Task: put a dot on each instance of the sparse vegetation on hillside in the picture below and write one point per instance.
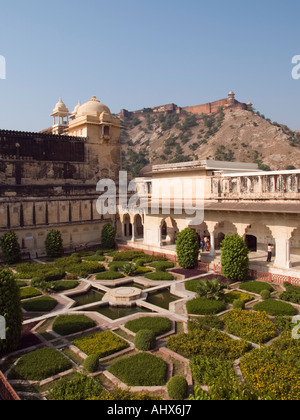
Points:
(239, 135)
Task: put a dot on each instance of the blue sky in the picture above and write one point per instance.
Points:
(133, 54)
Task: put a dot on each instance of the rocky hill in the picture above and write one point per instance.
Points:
(152, 137)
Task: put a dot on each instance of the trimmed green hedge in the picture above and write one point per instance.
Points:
(201, 306)
(29, 292)
(275, 308)
(110, 275)
(102, 344)
(145, 340)
(77, 387)
(162, 265)
(292, 294)
(157, 325)
(160, 276)
(178, 388)
(42, 304)
(40, 364)
(256, 287)
(127, 255)
(143, 369)
(71, 324)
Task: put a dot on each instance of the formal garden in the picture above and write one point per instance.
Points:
(186, 334)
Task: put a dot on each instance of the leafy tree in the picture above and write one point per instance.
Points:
(10, 309)
(235, 258)
(108, 236)
(11, 250)
(54, 244)
(187, 248)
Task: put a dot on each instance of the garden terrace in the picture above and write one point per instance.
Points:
(207, 341)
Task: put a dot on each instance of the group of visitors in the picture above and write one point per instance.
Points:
(204, 244)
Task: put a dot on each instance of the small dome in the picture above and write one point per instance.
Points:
(93, 107)
(231, 93)
(75, 110)
(60, 107)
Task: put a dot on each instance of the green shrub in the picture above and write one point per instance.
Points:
(42, 304)
(178, 388)
(187, 248)
(252, 326)
(29, 292)
(145, 340)
(238, 304)
(91, 363)
(71, 324)
(210, 343)
(256, 287)
(265, 294)
(98, 258)
(127, 255)
(141, 271)
(235, 258)
(40, 364)
(10, 308)
(206, 323)
(84, 269)
(203, 306)
(11, 250)
(157, 325)
(234, 295)
(292, 294)
(162, 265)
(109, 275)
(117, 265)
(160, 276)
(275, 308)
(102, 344)
(210, 289)
(129, 269)
(60, 286)
(143, 369)
(108, 236)
(54, 244)
(78, 387)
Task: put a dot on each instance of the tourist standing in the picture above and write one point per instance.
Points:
(270, 252)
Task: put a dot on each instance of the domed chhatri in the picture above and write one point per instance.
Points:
(60, 107)
(92, 108)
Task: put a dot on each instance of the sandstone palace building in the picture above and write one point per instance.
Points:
(48, 180)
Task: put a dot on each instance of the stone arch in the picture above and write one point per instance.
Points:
(295, 242)
(223, 229)
(139, 226)
(258, 236)
(169, 230)
(127, 223)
